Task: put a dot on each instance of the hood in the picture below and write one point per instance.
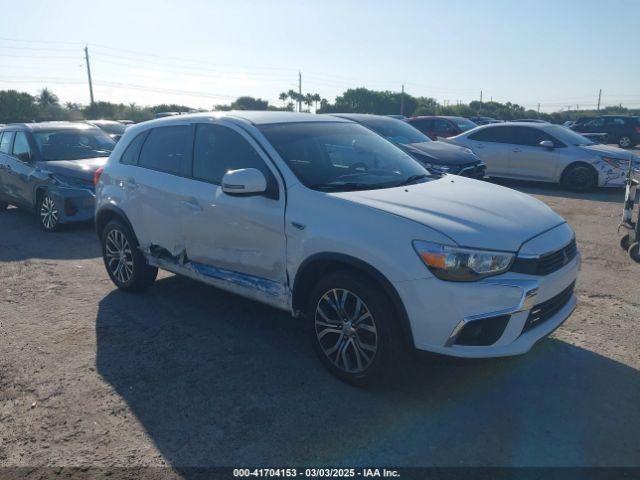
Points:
(83, 169)
(609, 151)
(441, 152)
(470, 212)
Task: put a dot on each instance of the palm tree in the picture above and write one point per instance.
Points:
(308, 101)
(293, 95)
(283, 96)
(316, 99)
(47, 98)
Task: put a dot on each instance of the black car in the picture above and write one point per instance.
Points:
(620, 129)
(438, 156)
(111, 127)
(49, 168)
(484, 120)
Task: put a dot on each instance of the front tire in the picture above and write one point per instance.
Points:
(625, 141)
(352, 326)
(48, 213)
(634, 252)
(579, 178)
(125, 264)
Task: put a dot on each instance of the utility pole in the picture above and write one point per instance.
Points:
(402, 101)
(299, 91)
(538, 108)
(86, 56)
(599, 98)
(480, 102)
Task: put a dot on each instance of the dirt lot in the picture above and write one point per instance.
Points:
(186, 375)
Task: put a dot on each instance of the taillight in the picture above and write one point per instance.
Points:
(96, 176)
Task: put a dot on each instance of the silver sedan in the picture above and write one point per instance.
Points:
(547, 153)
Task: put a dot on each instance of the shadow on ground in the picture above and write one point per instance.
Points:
(22, 238)
(217, 380)
(615, 195)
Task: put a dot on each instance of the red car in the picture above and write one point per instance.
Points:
(444, 127)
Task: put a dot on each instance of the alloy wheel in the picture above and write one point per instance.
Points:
(624, 142)
(48, 213)
(119, 256)
(346, 330)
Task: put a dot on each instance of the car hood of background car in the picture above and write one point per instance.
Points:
(83, 169)
(609, 151)
(442, 152)
(471, 212)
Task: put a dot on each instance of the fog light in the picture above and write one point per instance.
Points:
(483, 332)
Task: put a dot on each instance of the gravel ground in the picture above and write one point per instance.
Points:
(186, 375)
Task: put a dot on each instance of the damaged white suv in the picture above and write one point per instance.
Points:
(323, 218)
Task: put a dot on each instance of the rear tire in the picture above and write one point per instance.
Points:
(579, 178)
(625, 141)
(634, 252)
(353, 328)
(624, 243)
(125, 264)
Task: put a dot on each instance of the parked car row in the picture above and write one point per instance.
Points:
(623, 130)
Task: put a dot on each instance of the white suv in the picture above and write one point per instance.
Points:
(323, 218)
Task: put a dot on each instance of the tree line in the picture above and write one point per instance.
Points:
(22, 107)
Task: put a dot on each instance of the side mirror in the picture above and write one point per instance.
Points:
(245, 181)
(24, 157)
(547, 144)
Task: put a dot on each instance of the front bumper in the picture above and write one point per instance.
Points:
(74, 204)
(438, 311)
(477, 171)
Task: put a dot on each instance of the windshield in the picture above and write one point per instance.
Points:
(569, 136)
(396, 131)
(73, 144)
(342, 156)
(463, 124)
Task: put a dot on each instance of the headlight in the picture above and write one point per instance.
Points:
(462, 264)
(616, 162)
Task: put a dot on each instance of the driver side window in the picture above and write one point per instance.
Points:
(21, 148)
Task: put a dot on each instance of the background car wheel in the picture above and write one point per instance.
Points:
(48, 213)
(624, 243)
(351, 323)
(123, 260)
(625, 142)
(634, 252)
(579, 178)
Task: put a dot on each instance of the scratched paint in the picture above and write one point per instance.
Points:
(263, 285)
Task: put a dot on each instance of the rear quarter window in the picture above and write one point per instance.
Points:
(5, 142)
(132, 152)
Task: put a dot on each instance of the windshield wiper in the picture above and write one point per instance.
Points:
(344, 186)
(412, 179)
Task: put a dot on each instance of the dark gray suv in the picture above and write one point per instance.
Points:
(48, 168)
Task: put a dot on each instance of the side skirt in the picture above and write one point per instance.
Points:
(255, 288)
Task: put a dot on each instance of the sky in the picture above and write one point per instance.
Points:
(206, 52)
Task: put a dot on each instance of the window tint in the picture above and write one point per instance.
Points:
(21, 145)
(598, 122)
(441, 125)
(532, 137)
(5, 143)
(617, 121)
(132, 153)
(424, 125)
(165, 149)
(219, 149)
(495, 134)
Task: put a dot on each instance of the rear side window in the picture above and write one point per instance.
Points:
(132, 153)
(424, 125)
(218, 149)
(440, 125)
(495, 134)
(5, 142)
(165, 149)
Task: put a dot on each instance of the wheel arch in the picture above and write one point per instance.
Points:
(581, 163)
(323, 263)
(111, 212)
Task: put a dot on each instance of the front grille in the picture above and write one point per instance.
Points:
(548, 263)
(545, 310)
